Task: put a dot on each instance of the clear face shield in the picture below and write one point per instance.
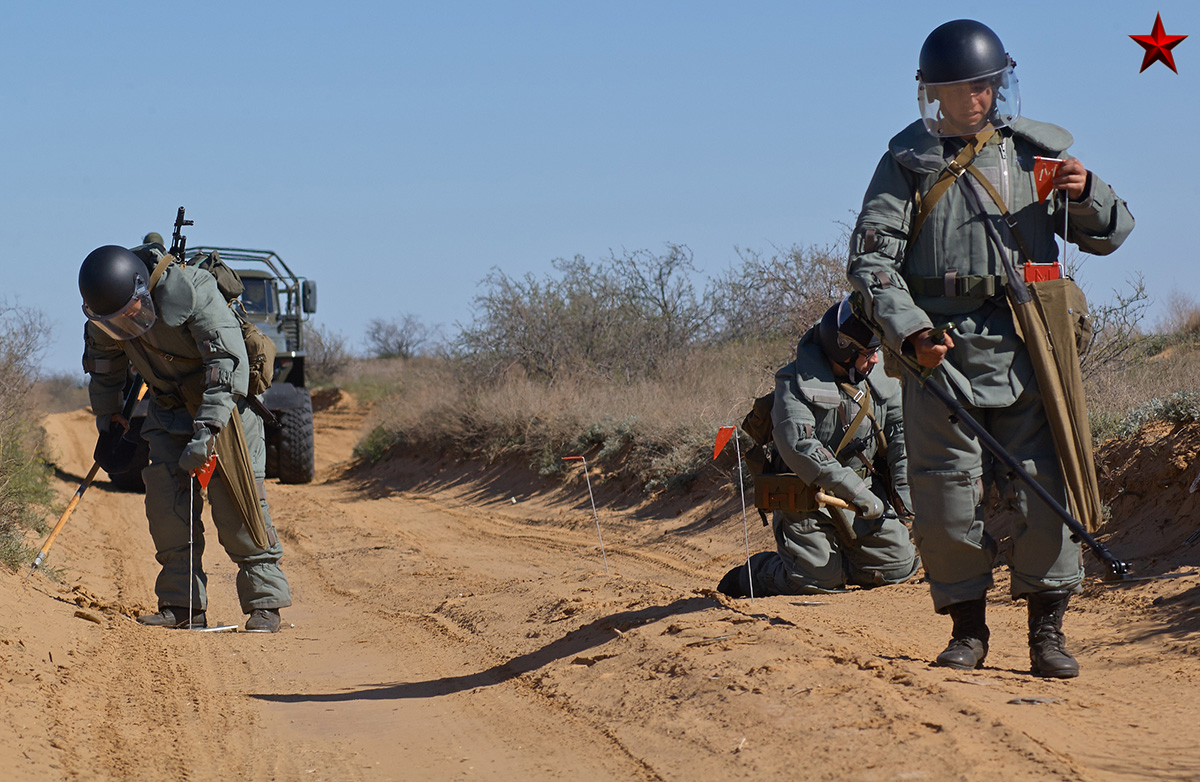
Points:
(131, 321)
(962, 108)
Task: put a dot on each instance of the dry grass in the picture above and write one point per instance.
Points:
(657, 433)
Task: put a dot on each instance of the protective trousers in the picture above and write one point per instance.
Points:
(948, 470)
(813, 556)
(260, 581)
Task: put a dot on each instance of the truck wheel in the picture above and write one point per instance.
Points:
(295, 450)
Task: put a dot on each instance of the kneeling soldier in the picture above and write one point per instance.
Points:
(172, 323)
(840, 434)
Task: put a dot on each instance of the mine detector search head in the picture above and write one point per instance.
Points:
(1115, 569)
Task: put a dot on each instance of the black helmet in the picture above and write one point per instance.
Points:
(962, 50)
(965, 52)
(116, 294)
(843, 337)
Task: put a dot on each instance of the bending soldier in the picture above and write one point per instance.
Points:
(171, 322)
(838, 431)
(951, 201)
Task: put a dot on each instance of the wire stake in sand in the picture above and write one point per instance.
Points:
(723, 435)
(202, 475)
(593, 501)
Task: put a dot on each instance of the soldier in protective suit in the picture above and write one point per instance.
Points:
(953, 198)
(833, 420)
(173, 325)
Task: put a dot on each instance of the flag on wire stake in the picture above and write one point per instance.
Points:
(723, 435)
(593, 501)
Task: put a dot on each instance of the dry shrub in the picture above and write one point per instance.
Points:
(327, 353)
(60, 393)
(1182, 317)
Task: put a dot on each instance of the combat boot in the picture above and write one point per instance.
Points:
(969, 637)
(263, 620)
(172, 616)
(1048, 655)
(735, 583)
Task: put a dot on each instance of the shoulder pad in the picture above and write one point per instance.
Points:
(882, 385)
(917, 149)
(1049, 137)
(175, 294)
(814, 376)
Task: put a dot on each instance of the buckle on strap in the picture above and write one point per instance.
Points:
(950, 282)
(956, 168)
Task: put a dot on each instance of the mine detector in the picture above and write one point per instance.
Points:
(279, 302)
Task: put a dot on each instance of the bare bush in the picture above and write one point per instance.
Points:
(622, 316)
(780, 295)
(1118, 340)
(401, 337)
(1181, 318)
(327, 353)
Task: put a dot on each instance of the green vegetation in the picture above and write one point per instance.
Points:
(24, 474)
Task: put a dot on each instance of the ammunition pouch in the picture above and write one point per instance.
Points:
(167, 401)
(784, 491)
(260, 350)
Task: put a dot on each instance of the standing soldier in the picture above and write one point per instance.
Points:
(952, 200)
(172, 323)
(839, 432)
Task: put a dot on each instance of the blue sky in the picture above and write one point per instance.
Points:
(396, 152)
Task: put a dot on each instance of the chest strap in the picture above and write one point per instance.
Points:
(949, 176)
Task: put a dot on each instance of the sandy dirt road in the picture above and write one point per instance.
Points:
(456, 622)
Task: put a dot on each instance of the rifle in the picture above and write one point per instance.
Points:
(178, 240)
(1117, 570)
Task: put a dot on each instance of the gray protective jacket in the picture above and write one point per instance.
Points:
(811, 412)
(193, 356)
(906, 288)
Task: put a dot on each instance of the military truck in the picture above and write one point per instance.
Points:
(279, 302)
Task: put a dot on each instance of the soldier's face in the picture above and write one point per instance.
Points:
(966, 105)
(866, 359)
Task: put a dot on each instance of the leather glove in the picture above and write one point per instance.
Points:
(869, 506)
(199, 449)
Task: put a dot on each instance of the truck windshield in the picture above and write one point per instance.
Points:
(258, 297)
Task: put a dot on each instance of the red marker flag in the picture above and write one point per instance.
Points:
(723, 435)
(1044, 171)
(204, 474)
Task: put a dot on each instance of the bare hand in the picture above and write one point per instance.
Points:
(1072, 177)
(929, 353)
(117, 418)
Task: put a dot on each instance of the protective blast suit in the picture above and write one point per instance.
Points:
(193, 355)
(821, 548)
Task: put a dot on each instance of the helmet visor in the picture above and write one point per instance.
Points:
(962, 108)
(131, 321)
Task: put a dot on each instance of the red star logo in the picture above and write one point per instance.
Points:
(1158, 45)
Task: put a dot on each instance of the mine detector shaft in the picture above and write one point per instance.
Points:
(1115, 569)
(135, 395)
